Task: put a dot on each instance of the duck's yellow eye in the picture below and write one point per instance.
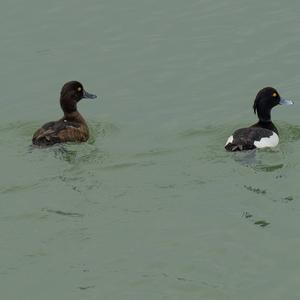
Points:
(79, 89)
(274, 95)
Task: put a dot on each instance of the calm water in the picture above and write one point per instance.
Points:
(152, 207)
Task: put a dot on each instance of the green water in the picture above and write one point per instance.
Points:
(152, 207)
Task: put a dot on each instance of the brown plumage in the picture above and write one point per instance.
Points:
(72, 126)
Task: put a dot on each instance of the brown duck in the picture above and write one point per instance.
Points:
(72, 126)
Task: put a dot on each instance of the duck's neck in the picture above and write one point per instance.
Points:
(74, 116)
(266, 124)
(264, 114)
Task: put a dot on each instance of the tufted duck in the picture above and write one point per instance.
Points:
(72, 126)
(263, 133)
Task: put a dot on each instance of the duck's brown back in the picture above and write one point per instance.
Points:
(71, 128)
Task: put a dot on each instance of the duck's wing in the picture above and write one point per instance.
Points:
(60, 132)
(43, 134)
(251, 138)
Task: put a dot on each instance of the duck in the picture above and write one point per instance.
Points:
(264, 133)
(72, 127)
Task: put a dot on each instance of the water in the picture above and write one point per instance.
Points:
(152, 207)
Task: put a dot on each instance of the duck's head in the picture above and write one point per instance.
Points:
(71, 93)
(265, 100)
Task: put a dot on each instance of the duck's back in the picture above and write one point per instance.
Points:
(251, 138)
(64, 130)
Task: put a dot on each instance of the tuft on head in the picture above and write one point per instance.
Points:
(267, 93)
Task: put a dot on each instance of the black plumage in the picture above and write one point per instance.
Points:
(249, 138)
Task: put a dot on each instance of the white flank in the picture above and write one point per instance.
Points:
(230, 140)
(271, 141)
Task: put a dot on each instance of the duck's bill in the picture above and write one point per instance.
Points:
(88, 95)
(285, 102)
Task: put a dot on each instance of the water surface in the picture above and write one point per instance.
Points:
(152, 207)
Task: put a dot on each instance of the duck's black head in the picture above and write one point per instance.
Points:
(71, 93)
(265, 100)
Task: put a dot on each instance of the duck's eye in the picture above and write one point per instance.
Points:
(274, 95)
(79, 89)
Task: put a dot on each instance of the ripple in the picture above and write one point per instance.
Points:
(81, 153)
(18, 188)
(24, 128)
(62, 213)
(101, 129)
(72, 153)
(269, 168)
(30, 186)
(255, 190)
(261, 223)
(196, 132)
(120, 166)
(288, 132)
(247, 158)
(154, 152)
